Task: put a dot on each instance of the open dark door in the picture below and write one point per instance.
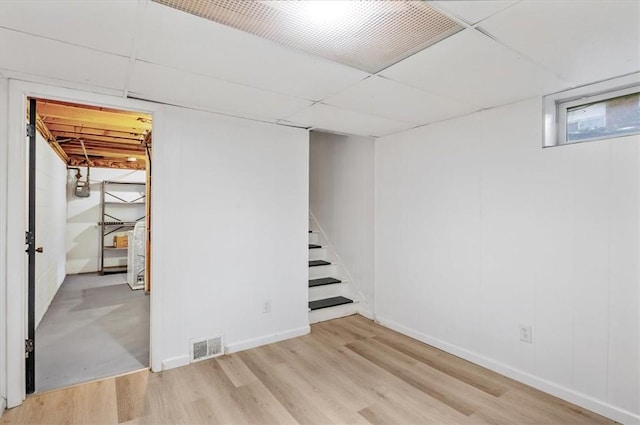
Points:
(31, 252)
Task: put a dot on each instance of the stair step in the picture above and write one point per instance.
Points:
(323, 281)
(314, 246)
(328, 302)
(314, 263)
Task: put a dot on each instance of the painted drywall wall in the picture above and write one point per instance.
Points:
(4, 100)
(230, 218)
(83, 214)
(480, 230)
(341, 189)
(51, 218)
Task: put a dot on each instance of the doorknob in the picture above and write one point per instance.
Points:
(39, 249)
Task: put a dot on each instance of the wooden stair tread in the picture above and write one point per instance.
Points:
(328, 302)
(314, 246)
(314, 263)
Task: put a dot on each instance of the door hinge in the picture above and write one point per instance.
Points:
(28, 346)
(31, 130)
(28, 238)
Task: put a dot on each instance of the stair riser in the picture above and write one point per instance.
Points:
(318, 254)
(332, 313)
(323, 271)
(313, 238)
(327, 291)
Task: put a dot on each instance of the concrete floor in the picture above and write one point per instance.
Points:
(95, 327)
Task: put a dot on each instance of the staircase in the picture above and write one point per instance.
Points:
(330, 293)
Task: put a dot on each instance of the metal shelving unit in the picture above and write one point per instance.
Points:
(116, 213)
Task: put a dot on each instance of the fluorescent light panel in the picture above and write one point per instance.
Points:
(368, 34)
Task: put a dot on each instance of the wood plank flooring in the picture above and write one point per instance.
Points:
(347, 371)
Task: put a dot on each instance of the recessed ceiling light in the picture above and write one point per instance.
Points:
(365, 34)
(325, 12)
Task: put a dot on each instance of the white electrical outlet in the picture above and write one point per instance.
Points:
(266, 306)
(526, 334)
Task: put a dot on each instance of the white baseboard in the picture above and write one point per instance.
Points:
(268, 339)
(583, 400)
(366, 313)
(240, 346)
(176, 362)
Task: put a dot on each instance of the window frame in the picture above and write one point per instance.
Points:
(555, 107)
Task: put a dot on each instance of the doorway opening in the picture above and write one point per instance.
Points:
(88, 309)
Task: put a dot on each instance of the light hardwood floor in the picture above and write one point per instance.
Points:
(347, 371)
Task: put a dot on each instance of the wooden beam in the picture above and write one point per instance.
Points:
(106, 154)
(70, 128)
(107, 163)
(95, 125)
(61, 135)
(51, 139)
(104, 151)
(103, 145)
(91, 116)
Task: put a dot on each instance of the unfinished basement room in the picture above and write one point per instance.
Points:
(320, 212)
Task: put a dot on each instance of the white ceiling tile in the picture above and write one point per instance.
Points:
(472, 68)
(582, 41)
(99, 24)
(40, 56)
(396, 101)
(184, 41)
(330, 118)
(155, 82)
(473, 11)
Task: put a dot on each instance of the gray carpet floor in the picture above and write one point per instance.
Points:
(95, 327)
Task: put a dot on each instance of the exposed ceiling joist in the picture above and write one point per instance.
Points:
(108, 126)
(62, 127)
(62, 136)
(79, 161)
(107, 137)
(104, 152)
(51, 139)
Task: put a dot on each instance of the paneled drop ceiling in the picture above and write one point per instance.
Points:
(506, 51)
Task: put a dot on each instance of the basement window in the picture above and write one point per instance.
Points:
(595, 112)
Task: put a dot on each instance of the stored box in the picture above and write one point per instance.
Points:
(120, 241)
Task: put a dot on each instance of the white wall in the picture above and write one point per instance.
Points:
(4, 100)
(230, 218)
(341, 189)
(51, 218)
(83, 214)
(479, 229)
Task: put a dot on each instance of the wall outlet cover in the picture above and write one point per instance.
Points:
(266, 306)
(526, 334)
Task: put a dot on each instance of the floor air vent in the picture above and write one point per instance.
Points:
(206, 348)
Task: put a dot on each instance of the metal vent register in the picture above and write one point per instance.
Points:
(206, 348)
(366, 34)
